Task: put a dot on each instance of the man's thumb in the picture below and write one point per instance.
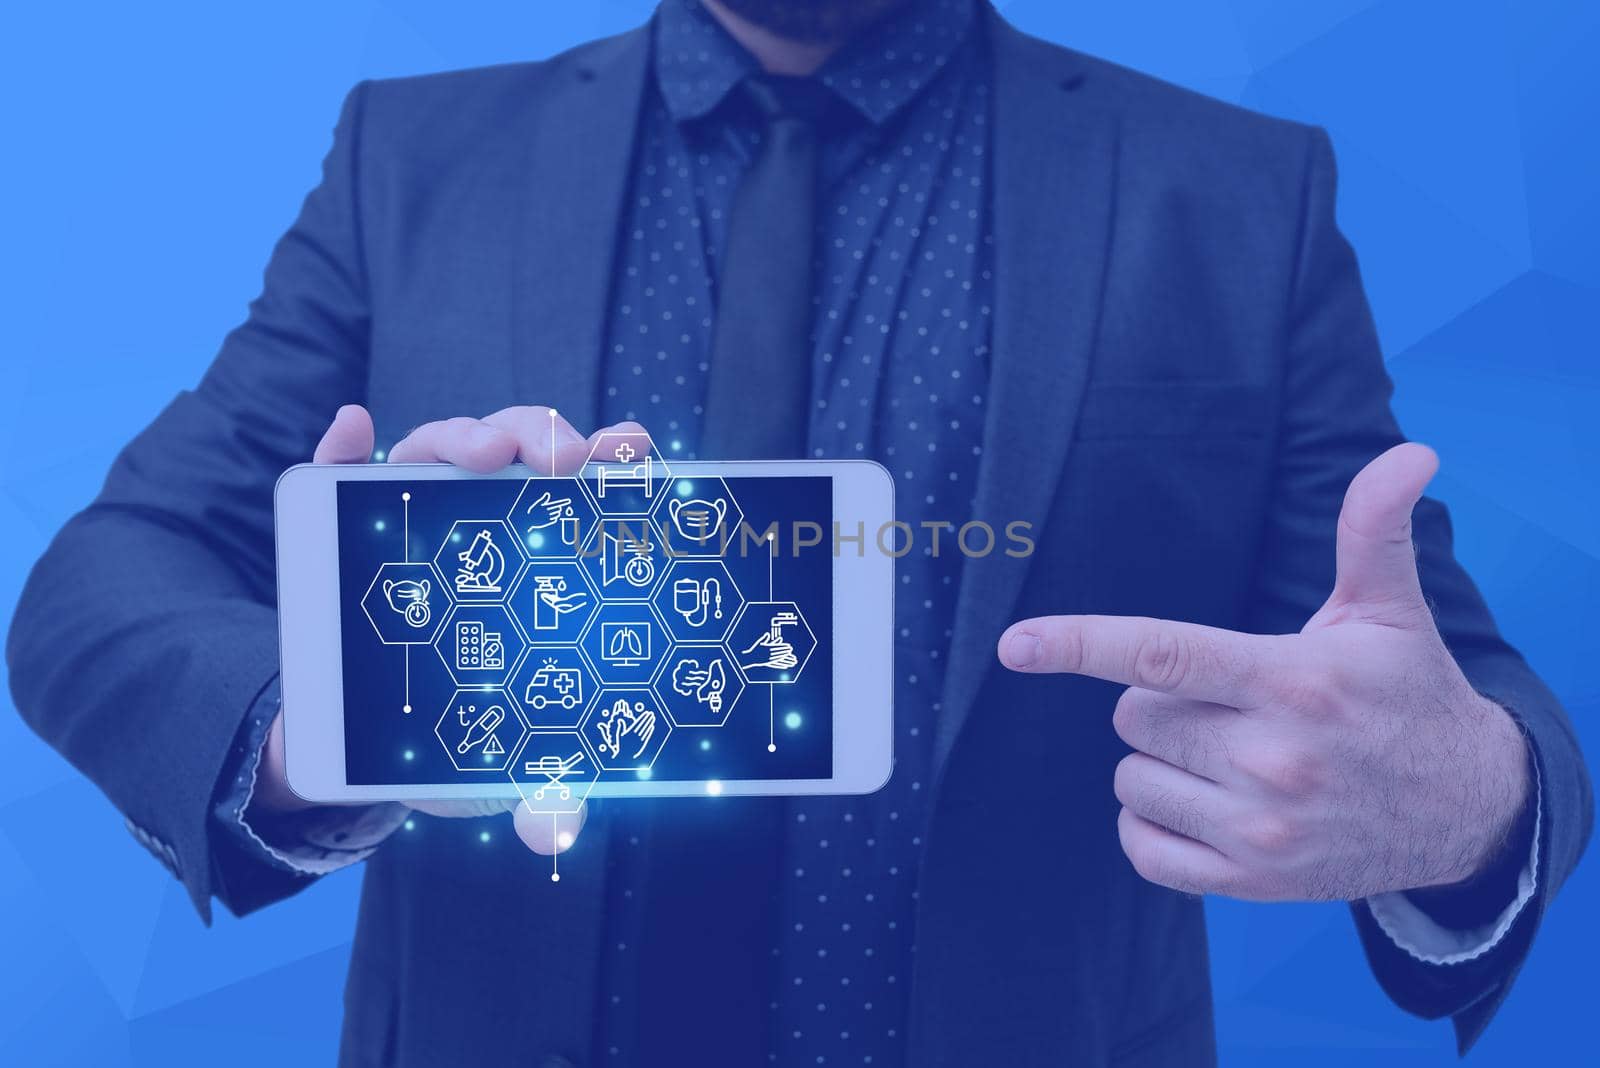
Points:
(1377, 564)
(348, 439)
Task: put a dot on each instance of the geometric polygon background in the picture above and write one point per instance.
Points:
(155, 152)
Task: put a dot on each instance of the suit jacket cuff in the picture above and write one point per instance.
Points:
(264, 847)
(1405, 917)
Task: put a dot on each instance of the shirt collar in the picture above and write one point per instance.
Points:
(697, 64)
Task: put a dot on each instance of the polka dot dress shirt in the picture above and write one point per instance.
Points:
(903, 282)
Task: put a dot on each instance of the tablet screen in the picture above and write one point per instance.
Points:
(562, 631)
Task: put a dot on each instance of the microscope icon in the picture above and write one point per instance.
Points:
(483, 565)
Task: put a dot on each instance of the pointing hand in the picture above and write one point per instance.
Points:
(1346, 760)
(547, 512)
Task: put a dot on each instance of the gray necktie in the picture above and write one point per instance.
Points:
(758, 399)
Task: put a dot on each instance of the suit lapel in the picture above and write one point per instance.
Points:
(1053, 181)
(579, 157)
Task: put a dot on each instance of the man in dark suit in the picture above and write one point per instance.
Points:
(1039, 288)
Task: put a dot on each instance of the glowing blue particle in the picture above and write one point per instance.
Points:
(411, 825)
(705, 744)
(411, 754)
(684, 487)
(380, 455)
(379, 525)
(677, 446)
(643, 773)
(535, 539)
(483, 836)
(792, 720)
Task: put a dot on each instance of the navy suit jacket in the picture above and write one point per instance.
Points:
(1185, 378)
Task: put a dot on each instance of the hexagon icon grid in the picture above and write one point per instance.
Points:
(698, 600)
(554, 771)
(480, 645)
(771, 642)
(699, 517)
(698, 685)
(625, 474)
(480, 559)
(625, 557)
(552, 517)
(406, 603)
(625, 643)
(626, 728)
(553, 686)
(553, 600)
(480, 729)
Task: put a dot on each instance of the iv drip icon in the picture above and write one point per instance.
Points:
(693, 599)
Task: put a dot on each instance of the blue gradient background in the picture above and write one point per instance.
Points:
(155, 151)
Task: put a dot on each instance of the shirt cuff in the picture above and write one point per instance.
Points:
(316, 841)
(1429, 941)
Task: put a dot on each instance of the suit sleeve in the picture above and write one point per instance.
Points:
(1336, 418)
(147, 632)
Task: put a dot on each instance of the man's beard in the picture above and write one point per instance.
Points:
(816, 21)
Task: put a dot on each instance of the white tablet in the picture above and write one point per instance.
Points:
(639, 630)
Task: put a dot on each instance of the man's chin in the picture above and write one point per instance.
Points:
(814, 21)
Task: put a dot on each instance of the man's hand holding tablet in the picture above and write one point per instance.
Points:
(557, 626)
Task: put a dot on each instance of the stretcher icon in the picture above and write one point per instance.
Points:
(554, 769)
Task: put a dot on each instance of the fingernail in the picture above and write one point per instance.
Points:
(1022, 649)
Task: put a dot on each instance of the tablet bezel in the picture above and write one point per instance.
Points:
(311, 672)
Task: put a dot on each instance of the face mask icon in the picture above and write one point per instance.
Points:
(697, 519)
(409, 597)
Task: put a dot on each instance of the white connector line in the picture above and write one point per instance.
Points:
(772, 700)
(552, 443)
(405, 527)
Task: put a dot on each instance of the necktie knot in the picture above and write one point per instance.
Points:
(776, 97)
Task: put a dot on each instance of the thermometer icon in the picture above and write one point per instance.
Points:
(480, 729)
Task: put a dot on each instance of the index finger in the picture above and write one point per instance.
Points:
(469, 443)
(546, 442)
(1186, 659)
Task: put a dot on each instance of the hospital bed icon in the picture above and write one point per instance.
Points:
(627, 476)
(554, 769)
